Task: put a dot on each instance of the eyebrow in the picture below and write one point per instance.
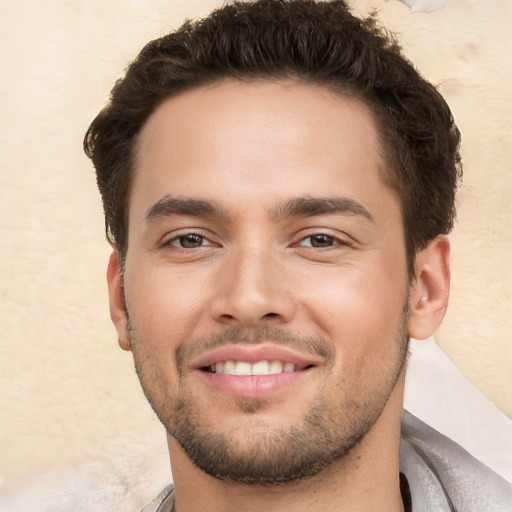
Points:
(296, 207)
(168, 206)
(312, 206)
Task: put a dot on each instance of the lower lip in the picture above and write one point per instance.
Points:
(253, 386)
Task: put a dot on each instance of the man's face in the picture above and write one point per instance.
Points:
(262, 241)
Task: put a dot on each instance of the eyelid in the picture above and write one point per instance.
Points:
(169, 238)
(340, 239)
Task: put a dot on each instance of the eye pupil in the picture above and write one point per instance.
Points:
(322, 240)
(190, 241)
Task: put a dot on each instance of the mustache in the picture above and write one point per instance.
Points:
(237, 336)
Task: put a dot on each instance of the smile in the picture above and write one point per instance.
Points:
(246, 368)
(254, 371)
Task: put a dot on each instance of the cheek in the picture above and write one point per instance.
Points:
(355, 307)
(166, 306)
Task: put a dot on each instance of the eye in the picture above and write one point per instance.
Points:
(318, 241)
(189, 241)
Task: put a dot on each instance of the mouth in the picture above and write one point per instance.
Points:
(263, 367)
(254, 371)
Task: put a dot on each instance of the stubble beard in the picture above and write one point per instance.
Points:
(268, 457)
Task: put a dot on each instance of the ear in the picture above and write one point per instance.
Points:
(430, 289)
(116, 300)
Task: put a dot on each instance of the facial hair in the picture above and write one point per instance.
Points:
(326, 433)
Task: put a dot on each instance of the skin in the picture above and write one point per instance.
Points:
(249, 149)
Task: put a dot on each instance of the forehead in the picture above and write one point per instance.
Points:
(258, 143)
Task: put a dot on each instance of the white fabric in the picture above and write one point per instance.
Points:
(438, 393)
(444, 477)
(163, 502)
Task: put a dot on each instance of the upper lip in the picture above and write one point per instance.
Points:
(253, 354)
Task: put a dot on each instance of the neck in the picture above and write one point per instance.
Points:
(366, 479)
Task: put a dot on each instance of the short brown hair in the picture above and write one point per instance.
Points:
(304, 40)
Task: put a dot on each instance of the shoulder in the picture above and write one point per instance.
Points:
(443, 476)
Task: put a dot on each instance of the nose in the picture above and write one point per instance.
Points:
(253, 291)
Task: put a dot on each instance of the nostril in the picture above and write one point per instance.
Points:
(270, 315)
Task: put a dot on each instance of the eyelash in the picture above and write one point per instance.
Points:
(334, 241)
(181, 236)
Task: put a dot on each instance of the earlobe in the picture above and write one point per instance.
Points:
(116, 300)
(430, 290)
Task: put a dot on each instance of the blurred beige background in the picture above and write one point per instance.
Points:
(68, 395)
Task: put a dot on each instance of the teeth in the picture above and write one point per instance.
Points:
(289, 368)
(275, 367)
(229, 368)
(258, 368)
(242, 368)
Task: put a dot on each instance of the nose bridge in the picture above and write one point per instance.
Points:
(253, 267)
(252, 289)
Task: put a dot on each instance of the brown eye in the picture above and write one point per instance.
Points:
(318, 241)
(190, 241)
